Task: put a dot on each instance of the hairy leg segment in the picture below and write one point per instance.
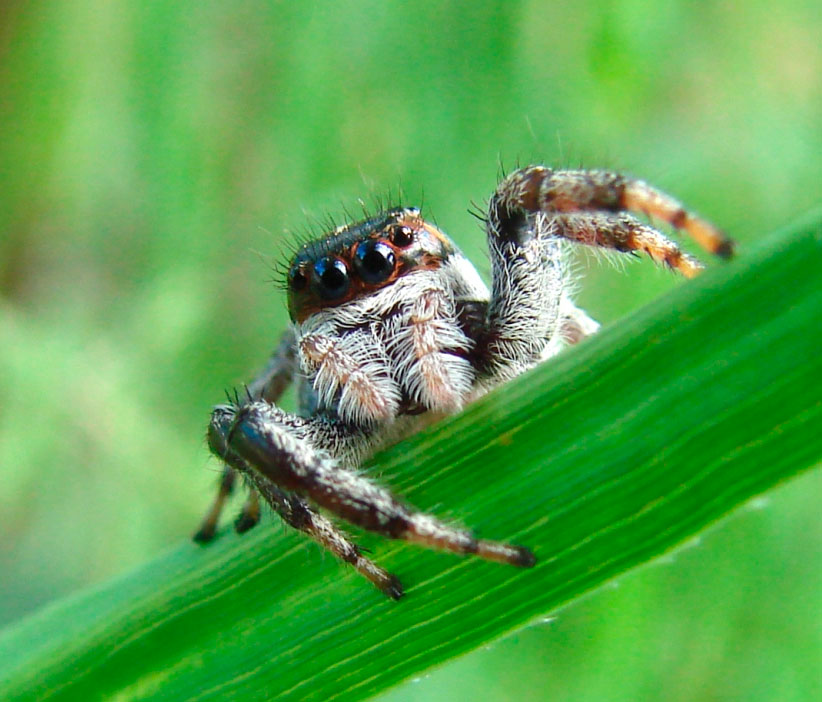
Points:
(263, 443)
(530, 212)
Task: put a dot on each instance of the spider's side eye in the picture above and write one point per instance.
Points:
(374, 261)
(402, 236)
(297, 280)
(331, 278)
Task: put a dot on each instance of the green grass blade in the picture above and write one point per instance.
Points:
(599, 461)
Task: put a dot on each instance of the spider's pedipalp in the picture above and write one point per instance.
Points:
(348, 372)
(425, 346)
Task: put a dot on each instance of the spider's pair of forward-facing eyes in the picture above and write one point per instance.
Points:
(373, 261)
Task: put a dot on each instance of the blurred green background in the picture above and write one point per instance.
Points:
(152, 157)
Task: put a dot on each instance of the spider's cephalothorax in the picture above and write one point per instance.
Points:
(385, 314)
(391, 321)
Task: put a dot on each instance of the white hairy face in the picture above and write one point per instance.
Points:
(376, 319)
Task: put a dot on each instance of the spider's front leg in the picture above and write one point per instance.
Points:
(294, 456)
(529, 215)
(294, 510)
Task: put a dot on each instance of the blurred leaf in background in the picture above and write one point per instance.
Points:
(152, 157)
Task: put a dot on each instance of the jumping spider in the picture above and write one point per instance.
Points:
(391, 322)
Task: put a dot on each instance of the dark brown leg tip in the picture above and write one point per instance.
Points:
(525, 557)
(204, 535)
(393, 588)
(726, 249)
(245, 522)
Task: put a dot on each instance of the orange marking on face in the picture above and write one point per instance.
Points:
(439, 236)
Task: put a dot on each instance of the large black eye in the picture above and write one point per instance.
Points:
(374, 261)
(331, 278)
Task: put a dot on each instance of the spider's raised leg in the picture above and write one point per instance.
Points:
(532, 210)
(638, 196)
(269, 385)
(293, 454)
(538, 189)
(625, 233)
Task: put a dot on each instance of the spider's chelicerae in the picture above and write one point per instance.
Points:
(390, 322)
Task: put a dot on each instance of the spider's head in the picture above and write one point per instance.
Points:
(358, 259)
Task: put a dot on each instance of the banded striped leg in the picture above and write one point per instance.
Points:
(638, 196)
(625, 233)
(537, 189)
(530, 212)
(281, 448)
(270, 385)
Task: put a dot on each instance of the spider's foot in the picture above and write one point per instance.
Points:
(393, 587)
(506, 553)
(386, 582)
(246, 521)
(205, 534)
(525, 558)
